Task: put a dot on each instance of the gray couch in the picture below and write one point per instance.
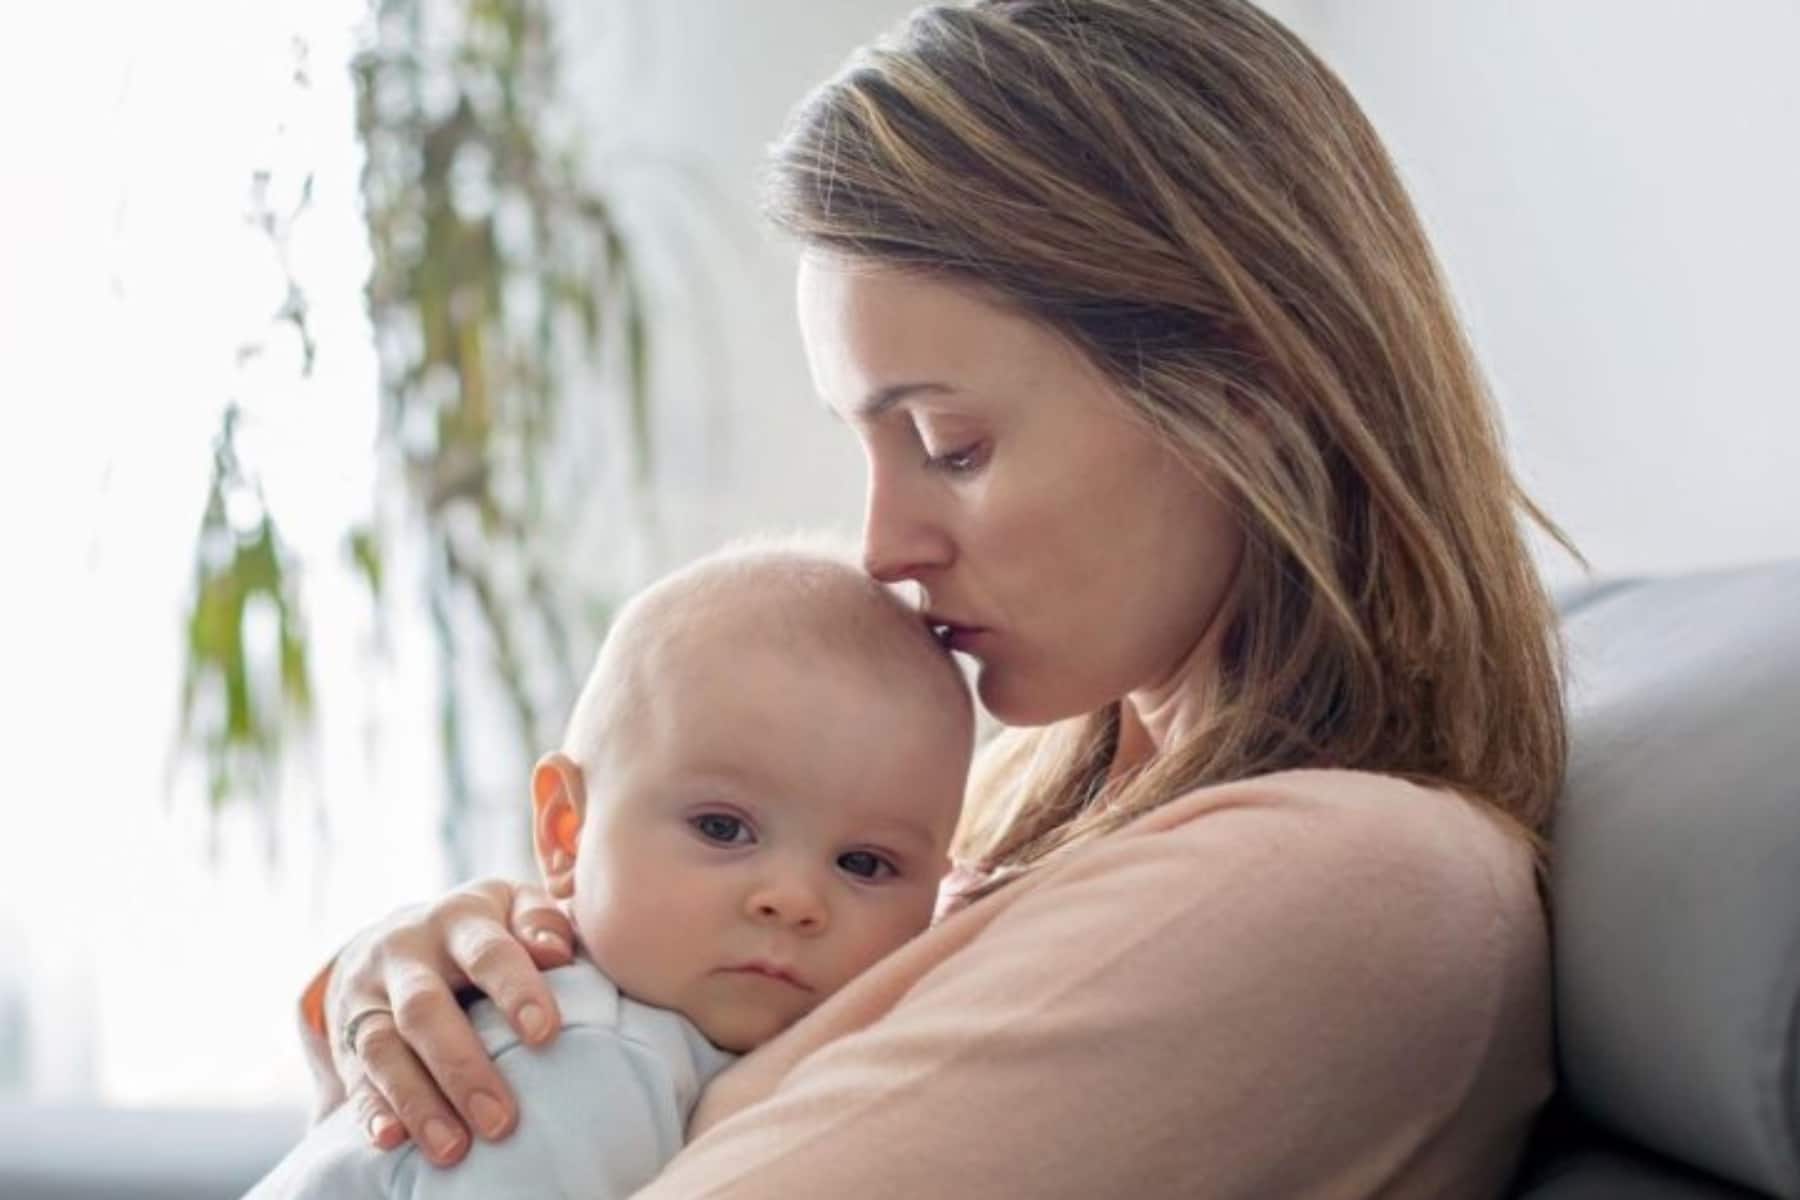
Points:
(1676, 893)
(1676, 908)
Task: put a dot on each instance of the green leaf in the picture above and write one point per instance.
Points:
(492, 494)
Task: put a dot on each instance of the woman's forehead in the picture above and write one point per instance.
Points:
(873, 331)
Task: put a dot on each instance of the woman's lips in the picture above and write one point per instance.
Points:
(956, 637)
(953, 635)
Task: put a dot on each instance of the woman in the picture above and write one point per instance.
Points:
(1166, 410)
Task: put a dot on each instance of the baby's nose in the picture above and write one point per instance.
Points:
(789, 902)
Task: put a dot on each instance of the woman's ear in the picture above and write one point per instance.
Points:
(558, 804)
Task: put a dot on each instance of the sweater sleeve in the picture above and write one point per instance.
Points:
(1282, 997)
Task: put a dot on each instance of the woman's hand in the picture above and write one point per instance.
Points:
(417, 1068)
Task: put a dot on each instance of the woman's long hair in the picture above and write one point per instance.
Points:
(1192, 197)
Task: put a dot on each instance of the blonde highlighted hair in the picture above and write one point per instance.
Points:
(1192, 197)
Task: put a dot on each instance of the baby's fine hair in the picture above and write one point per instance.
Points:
(801, 594)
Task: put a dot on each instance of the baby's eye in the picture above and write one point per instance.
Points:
(865, 865)
(719, 827)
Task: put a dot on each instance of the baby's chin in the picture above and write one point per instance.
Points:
(740, 1031)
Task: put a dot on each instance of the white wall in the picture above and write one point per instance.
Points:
(686, 95)
(1612, 185)
(128, 279)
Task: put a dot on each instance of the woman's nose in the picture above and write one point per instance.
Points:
(901, 537)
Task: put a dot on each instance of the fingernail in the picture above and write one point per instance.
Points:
(535, 1022)
(490, 1118)
(440, 1137)
(382, 1129)
(549, 941)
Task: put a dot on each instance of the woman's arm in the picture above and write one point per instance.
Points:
(418, 1070)
(1274, 1000)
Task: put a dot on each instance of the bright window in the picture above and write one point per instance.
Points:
(148, 953)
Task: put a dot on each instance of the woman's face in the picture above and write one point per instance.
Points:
(1058, 537)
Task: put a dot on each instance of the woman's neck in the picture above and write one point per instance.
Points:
(1133, 746)
(1153, 719)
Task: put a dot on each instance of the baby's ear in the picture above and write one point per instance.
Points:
(558, 801)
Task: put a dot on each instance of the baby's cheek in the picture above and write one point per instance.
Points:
(633, 950)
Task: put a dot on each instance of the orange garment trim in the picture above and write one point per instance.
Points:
(312, 1000)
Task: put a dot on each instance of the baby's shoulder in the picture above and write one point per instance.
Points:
(593, 1009)
(603, 1032)
(334, 1161)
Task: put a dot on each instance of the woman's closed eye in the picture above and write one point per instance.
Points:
(964, 460)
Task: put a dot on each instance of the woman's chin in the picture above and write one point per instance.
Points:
(1012, 701)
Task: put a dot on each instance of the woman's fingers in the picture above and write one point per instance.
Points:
(502, 970)
(396, 1083)
(540, 924)
(377, 1119)
(359, 980)
(418, 1068)
(469, 931)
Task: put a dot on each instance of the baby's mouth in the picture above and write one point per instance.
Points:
(768, 970)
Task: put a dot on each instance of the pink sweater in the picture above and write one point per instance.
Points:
(1318, 983)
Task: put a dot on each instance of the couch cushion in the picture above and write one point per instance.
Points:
(1676, 871)
(1612, 1172)
(1571, 1160)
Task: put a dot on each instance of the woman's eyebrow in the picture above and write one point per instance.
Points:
(882, 399)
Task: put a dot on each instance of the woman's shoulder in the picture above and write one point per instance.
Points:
(1348, 861)
(1383, 830)
(1354, 870)
(1405, 905)
(1388, 934)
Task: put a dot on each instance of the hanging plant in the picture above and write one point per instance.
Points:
(491, 253)
(246, 690)
(230, 708)
(492, 258)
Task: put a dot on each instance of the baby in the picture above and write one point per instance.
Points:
(753, 803)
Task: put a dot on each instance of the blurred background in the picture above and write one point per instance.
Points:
(358, 358)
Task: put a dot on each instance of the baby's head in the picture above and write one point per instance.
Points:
(757, 791)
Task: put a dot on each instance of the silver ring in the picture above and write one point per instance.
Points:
(348, 1038)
